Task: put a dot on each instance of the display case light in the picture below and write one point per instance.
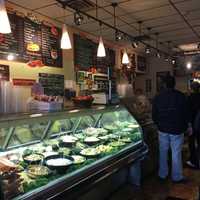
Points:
(65, 39)
(4, 21)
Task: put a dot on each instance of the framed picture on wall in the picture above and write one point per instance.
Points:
(160, 76)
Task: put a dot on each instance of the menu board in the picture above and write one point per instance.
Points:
(31, 40)
(85, 55)
(13, 42)
(4, 73)
(53, 84)
(51, 51)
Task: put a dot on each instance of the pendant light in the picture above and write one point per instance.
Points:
(125, 59)
(4, 21)
(65, 40)
(101, 52)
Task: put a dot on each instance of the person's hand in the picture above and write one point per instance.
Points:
(190, 131)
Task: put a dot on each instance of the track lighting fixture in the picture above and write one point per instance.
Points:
(135, 44)
(166, 58)
(118, 36)
(147, 50)
(78, 18)
(158, 55)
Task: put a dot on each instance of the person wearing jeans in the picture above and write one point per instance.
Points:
(171, 115)
(174, 142)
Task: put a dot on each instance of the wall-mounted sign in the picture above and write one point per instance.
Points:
(31, 41)
(53, 84)
(4, 73)
(23, 82)
(85, 55)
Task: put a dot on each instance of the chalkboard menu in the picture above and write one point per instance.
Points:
(32, 41)
(85, 55)
(53, 84)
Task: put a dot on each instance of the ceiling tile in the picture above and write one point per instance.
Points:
(33, 4)
(54, 11)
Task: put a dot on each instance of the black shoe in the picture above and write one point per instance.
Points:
(182, 181)
(162, 180)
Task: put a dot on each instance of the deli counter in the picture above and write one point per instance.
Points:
(65, 154)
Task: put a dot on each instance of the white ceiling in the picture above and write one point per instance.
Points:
(158, 14)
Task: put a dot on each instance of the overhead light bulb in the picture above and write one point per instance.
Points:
(147, 50)
(101, 52)
(65, 40)
(10, 57)
(125, 59)
(4, 21)
(173, 61)
(189, 65)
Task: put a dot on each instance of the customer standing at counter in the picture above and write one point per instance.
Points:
(194, 138)
(170, 114)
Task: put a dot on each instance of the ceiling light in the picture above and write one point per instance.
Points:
(173, 61)
(158, 54)
(135, 45)
(101, 52)
(65, 40)
(118, 36)
(147, 50)
(10, 57)
(189, 65)
(5, 24)
(125, 59)
(78, 18)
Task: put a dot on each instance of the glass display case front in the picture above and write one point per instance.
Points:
(41, 150)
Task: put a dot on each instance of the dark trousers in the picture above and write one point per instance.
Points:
(194, 147)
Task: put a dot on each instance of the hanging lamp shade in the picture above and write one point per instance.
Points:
(125, 59)
(4, 21)
(65, 40)
(101, 52)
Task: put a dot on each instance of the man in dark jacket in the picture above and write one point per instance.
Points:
(194, 139)
(170, 114)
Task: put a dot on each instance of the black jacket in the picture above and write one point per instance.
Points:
(170, 112)
(194, 105)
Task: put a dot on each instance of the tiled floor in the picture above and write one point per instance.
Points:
(152, 189)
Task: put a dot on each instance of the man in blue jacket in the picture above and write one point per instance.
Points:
(170, 114)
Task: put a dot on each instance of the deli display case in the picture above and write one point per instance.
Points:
(64, 154)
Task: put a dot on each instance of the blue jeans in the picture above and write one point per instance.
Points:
(175, 142)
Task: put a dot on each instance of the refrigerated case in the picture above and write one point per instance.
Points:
(65, 154)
